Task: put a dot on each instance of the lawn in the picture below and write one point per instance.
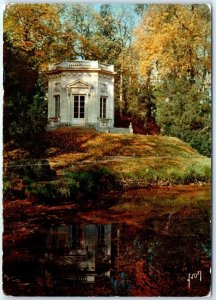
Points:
(131, 160)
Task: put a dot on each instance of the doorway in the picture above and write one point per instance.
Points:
(79, 109)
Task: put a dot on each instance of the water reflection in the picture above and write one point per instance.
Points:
(125, 260)
(81, 251)
(139, 247)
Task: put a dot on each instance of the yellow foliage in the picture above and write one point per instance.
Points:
(28, 26)
(173, 37)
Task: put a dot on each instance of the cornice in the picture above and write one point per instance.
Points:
(70, 70)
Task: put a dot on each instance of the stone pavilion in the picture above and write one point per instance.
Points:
(81, 93)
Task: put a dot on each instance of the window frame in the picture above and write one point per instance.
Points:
(103, 107)
(80, 106)
(57, 106)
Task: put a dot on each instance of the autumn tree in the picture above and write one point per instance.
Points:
(173, 42)
(31, 34)
(141, 103)
(133, 96)
(106, 35)
(125, 23)
(34, 29)
(80, 19)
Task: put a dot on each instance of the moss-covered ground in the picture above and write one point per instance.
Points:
(131, 160)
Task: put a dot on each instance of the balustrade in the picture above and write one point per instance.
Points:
(81, 64)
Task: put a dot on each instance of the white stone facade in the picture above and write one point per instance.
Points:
(81, 93)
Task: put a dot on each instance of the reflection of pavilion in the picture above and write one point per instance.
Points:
(79, 252)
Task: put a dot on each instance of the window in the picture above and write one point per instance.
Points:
(101, 235)
(103, 101)
(57, 106)
(76, 237)
(79, 106)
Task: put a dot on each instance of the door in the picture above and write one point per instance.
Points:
(79, 109)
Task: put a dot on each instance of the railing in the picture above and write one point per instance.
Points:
(78, 278)
(104, 67)
(82, 278)
(81, 64)
(104, 122)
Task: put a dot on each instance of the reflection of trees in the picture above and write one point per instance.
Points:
(124, 260)
(132, 261)
(156, 263)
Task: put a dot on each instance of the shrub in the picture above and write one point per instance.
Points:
(53, 191)
(31, 170)
(92, 181)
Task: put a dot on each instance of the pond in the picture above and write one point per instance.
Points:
(150, 242)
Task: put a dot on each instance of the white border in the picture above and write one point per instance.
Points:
(213, 8)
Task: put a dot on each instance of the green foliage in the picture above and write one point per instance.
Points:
(166, 170)
(179, 69)
(79, 22)
(16, 121)
(198, 173)
(13, 187)
(25, 178)
(30, 170)
(43, 191)
(6, 187)
(37, 113)
(25, 105)
(72, 186)
(23, 118)
(202, 142)
(32, 38)
(54, 191)
(95, 180)
(35, 178)
(183, 110)
(140, 9)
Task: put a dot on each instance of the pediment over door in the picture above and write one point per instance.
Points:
(78, 84)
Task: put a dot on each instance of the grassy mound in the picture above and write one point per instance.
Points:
(66, 140)
(136, 160)
(129, 160)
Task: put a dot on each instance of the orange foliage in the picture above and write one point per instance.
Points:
(144, 285)
(67, 140)
(173, 38)
(30, 27)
